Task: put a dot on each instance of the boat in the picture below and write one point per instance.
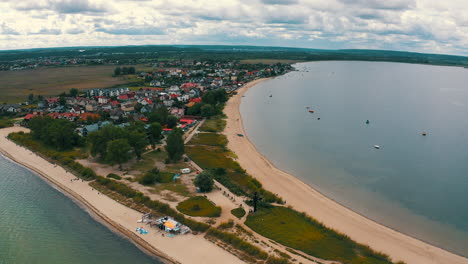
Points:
(271, 95)
(240, 135)
(307, 107)
(376, 146)
(311, 111)
(424, 133)
(367, 122)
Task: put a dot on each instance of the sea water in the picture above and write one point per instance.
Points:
(39, 224)
(415, 184)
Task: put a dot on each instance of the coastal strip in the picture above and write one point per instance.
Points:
(304, 198)
(113, 214)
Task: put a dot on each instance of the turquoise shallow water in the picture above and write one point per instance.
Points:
(39, 224)
(417, 185)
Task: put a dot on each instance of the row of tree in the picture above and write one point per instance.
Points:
(212, 104)
(57, 133)
(124, 71)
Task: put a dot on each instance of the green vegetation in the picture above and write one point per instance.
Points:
(118, 151)
(5, 122)
(215, 124)
(56, 133)
(210, 139)
(175, 145)
(298, 231)
(204, 181)
(199, 206)
(114, 176)
(238, 212)
(237, 243)
(209, 152)
(113, 144)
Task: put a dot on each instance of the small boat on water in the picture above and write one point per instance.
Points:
(424, 133)
(367, 122)
(376, 146)
(271, 95)
(311, 111)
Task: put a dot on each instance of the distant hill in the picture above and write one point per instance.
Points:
(226, 52)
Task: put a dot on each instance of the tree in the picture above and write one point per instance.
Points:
(118, 151)
(138, 142)
(172, 121)
(62, 100)
(207, 110)
(138, 107)
(175, 145)
(31, 98)
(154, 133)
(73, 92)
(151, 177)
(204, 181)
(117, 71)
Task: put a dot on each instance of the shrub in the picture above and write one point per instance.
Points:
(114, 176)
(238, 243)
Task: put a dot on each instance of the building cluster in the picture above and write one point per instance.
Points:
(175, 88)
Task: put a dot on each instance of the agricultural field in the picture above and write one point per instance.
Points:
(15, 86)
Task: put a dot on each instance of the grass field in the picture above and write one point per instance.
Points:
(300, 232)
(15, 86)
(238, 212)
(199, 206)
(211, 139)
(213, 125)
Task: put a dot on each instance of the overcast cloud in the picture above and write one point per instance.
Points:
(410, 25)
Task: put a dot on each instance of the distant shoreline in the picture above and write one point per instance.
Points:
(303, 198)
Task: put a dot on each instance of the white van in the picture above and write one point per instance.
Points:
(185, 171)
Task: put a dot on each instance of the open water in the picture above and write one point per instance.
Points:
(415, 184)
(39, 224)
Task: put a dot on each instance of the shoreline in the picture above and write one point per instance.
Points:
(117, 217)
(305, 198)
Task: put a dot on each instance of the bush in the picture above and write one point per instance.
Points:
(114, 176)
(151, 177)
(238, 243)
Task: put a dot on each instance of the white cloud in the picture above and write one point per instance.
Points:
(413, 25)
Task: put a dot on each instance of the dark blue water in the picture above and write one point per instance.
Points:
(38, 224)
(415, 184)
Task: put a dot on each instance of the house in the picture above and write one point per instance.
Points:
(92, 128)
(179, 112)
(128, 107)
(122, 97)
(155, 83)
(76, 110)
(116, 113)
(91, 107)
(102, 100)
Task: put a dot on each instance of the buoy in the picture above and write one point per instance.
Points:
(318, 118)
(367, 122)
(424, 133)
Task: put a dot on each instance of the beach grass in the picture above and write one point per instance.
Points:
(211, 157)
(215, 124)
(210, 139)
(296, 230)
(238, 212)
(199, 206)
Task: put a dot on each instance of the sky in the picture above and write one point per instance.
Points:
(430, 26)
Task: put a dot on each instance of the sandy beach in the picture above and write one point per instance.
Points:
(180, 249)
(305, 199)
